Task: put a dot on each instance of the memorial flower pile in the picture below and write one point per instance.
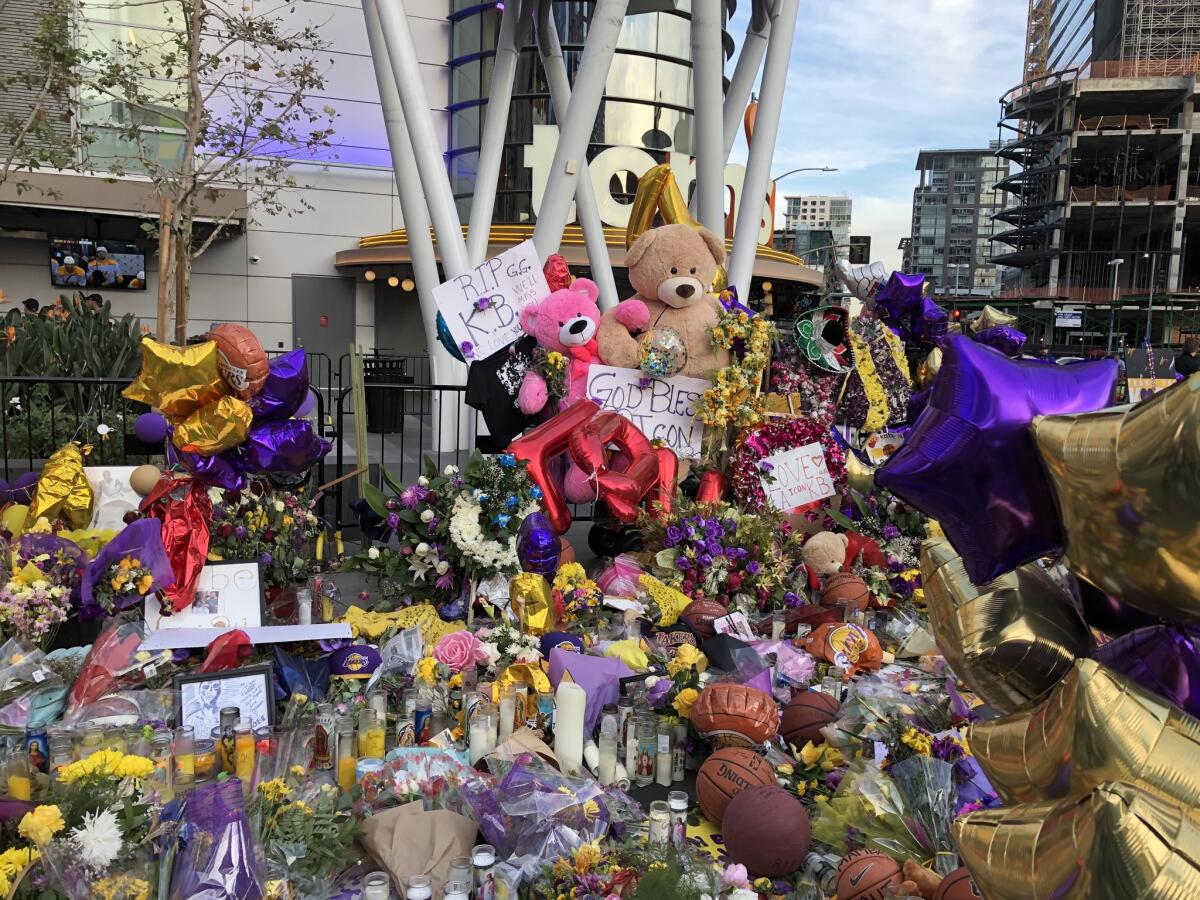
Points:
(276, 527)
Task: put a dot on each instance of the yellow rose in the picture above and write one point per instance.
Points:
(684, 701)
(42, 824)
(687, 657)
(810, 754)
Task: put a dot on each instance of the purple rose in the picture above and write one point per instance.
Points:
(890, 532)
(792, 599)
(240, 532)
(683, 564)
(765, 466)
(705, 561)
(266, 559)
(393, 521)
(714, 547)
(433, 524)
(673, 536)
(753, 567)
(655, 695)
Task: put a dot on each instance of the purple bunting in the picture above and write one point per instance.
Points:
(284, 390)
(286, 448)
(142, 540)
(1164, 659)
(1005, 338)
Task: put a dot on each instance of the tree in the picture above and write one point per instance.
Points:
(232, 88)
(39, 76)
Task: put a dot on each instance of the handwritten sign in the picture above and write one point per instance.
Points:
(801, 476)
(482, 308)
(664, 409)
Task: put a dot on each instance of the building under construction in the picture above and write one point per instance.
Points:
(1102, 229)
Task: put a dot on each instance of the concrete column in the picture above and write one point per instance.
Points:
(708, 138)
(745, 71)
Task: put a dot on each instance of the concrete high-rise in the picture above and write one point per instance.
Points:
(830, 212)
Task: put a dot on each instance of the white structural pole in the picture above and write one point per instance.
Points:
(708, 129)
(585, 193)
(514, 30)
(576, 126)
(427, 152)
(444, 368)
(745, 72)
(762, 148)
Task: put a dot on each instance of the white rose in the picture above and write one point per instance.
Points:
(279, 507)
(373, 553)
(651, 681)
(426, 515)
(423, 481)
(450, 470)
(443, 567)
(422, 548)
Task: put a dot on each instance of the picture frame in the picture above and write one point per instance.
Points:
(229, 594)
(114, 496)
(200, 696)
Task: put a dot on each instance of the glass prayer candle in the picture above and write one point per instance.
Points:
(206, 760)
(183, 752)
(508, 710)
(20, 777)
(243, 755)
(371, 734)
(346, 758)
(659, 822)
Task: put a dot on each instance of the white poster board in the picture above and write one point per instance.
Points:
(664, 409)
(483, 307)
(228, 595)
(801, 476)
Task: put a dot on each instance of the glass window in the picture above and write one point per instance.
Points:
(160, 15)
(166, 113)
(150, 44)
(464, 127)
(674, 36)
(465, 82)
(110, 149)
(629, 76)
(463, 169)
(570, 19)
(673, 84)
(530, 76)
(639, 32)
(465, 37)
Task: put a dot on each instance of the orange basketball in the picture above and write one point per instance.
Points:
(699, 614)
(724, 775)
(844, 587)
(958, 885)
(806, 715)
(240, 359)
(734, 715)
(864, 874)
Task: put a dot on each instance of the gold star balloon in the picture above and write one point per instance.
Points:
(1010, 640)
(1096, 726)
(1117, 842)
(1127, 486)
(990, 317)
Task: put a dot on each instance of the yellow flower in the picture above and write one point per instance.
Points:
(917, 741)
(455, 681)
(298, 771)
(569, 575)
(763, 885)
(134, 767)
(15, 859)
(810, 754)
(145, 583)
(801, 788)
(684, 700)
(427, 669)
(299, 805)
(124, 565)
(275, 791)
(591, 809)
(121, 887)
(586, 857)
(42, 824)
(657, 866)
(785, 769)
(687, 657)
(118, 582)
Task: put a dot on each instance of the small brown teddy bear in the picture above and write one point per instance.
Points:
(672, 269)
(824, 553)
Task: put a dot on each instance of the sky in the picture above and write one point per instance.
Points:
(872, 82)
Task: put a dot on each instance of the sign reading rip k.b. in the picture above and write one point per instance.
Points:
(801, 476)
(663, 408)
(483, 307)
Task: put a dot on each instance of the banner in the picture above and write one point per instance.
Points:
(797, 476)
(663, 408)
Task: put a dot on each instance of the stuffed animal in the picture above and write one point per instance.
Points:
(565, 322)
(825, 553)
(672, 269)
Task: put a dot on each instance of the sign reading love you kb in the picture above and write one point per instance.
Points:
(800, 476)
(664, 409)
(482, 308)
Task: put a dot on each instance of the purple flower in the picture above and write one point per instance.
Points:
(483, 303)
(643, 382)
(433, 524)
(240, 532)
(412, 496)
(730, 525)
(704, 561)
(656, 695)
(890, 532)
(467, 349)
(834, 778)
(393, 521)
(793, 599)
(328, 645)
(673, 536)
(445, 582)
(765, 466)
(714, 547)
(753, 567)
(266, 559)
(683, 564)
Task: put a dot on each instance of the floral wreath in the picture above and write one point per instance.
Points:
(748, 464)
(881, 397)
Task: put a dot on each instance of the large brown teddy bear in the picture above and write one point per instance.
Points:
(672, 270)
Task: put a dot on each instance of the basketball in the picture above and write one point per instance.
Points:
(806, 715)
(734, 715)
(699, 614)
(724, 775)
(864, 874)
(844, 587)
(240, 359)
(766, 829)
(958, 885)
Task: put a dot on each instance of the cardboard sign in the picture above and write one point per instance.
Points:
(483, 307)
(801, 476)
(665, 409)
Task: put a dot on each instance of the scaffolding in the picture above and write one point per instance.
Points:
(1037, 38)
(1160, 29)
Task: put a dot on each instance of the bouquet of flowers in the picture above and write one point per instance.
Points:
(881, 515)
(36, 599)
(790, 374)
(736, 395)
(130, 568)
(717, 551)
(506, 645)
(575, 595)
(681, 688)
(265, 523)
(451, 528)
(815, 774)
(629, 869)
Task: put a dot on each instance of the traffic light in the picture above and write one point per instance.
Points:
(956, 314)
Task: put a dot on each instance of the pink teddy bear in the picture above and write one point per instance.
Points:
(566, 321)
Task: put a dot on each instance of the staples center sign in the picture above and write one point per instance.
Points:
(539, 157)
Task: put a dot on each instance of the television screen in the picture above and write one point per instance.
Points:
(84, 264)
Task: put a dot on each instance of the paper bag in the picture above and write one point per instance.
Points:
(408, 841)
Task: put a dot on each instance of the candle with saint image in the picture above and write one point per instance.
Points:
(569, 703)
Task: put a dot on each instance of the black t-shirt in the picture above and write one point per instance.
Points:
(1185, 365)
(492, 387)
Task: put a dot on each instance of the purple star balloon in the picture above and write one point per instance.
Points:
(1164, 659)
(970, 461)
(1005, 338)
(918, 320)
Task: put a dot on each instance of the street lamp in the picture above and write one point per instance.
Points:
(1112, 307)
(804, 169)
(1150, 302)
(957, 267)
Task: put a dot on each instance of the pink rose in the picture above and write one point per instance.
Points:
(458, 650)
(736, 876)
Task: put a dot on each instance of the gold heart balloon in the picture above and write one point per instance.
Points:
(1010, 640)
(1096, 726)
(990, 318)
(1127, 485)
(1117, 842)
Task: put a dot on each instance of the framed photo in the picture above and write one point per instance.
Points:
(199, 697)
(228, 595)
(735, 624)
(113, 493)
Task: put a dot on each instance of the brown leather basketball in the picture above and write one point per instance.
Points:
(734, 715)
(724, 775)
(806, 715)
(767, 830)
(845, 587)
(240, 359)
(958, 885)
(699, 614)
(864, 874)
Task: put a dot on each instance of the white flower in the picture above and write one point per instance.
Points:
(427, 515)
(743, 894)
(279, 507)
(215, 494)
(422, 548)
(651, 681)
(529, 656)
(443, 567)
(373, 553)
(98, 839)
(423, 481)
(491, 653)
(450, 470)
